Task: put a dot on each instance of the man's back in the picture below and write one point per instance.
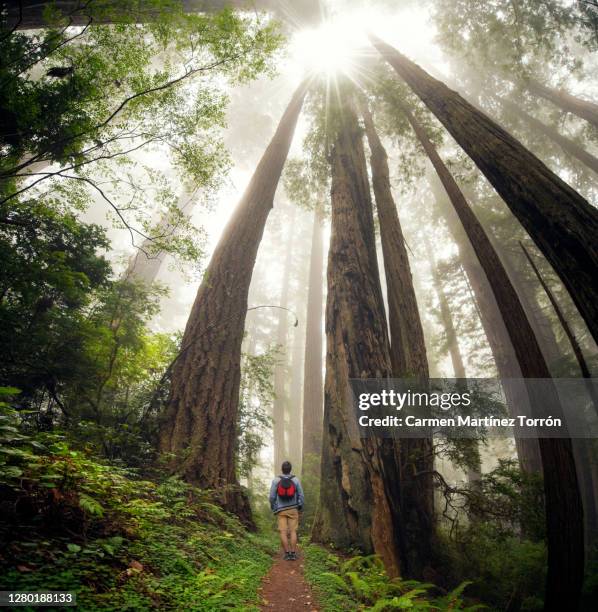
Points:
(286, 501)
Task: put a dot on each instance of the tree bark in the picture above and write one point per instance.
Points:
(474, 470)
(409, 360)
(564, 513)
(559, 220)
(354, 509)
(313, 391)
(568, 145)
(565, 101)
(200, 421)
(528, 451)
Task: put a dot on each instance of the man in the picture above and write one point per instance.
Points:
(286, 501)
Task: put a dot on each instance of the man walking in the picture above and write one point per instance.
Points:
(286, 501)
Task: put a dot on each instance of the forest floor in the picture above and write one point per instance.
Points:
(285, 588)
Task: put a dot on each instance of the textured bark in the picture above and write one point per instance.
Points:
(77, 12)
(200, 421)
(565, 101)
(582, 448)
(409, 359)
(564, 513)
(354, 499)
(568, 145)
(559, 220)
(528, 451)
(313, 385)
(281, 369)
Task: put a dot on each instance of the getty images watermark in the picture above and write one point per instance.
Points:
(474, 408)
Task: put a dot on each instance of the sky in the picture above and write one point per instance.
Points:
(253, 114)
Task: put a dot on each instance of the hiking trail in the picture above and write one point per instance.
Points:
(284, 587)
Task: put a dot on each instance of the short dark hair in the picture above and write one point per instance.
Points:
(286, 467)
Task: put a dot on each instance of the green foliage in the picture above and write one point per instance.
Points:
(511, 500)
(361, 583)
(119, 542)
(51, 266)
(88, 98)
(256, 396)
(505, 569)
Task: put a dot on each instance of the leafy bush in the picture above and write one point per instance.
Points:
(72, 523)
(362, 583)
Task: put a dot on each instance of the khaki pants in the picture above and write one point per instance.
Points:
(288, 520)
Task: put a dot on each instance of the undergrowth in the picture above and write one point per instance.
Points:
(361, 583)
(72, 523)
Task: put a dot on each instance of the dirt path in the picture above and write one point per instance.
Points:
(284, 588)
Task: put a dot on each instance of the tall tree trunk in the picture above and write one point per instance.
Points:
(528, 450)
(568, 145)
(144, 264)
(583, 449)
(409, 359)
(559, 220)
(295, 403)
(200, 421)
(564, 513)
(281, 369)
(356, 473)
(313, 388)
(540, 322)
(565, 101)
(575, 347)
(448, 324)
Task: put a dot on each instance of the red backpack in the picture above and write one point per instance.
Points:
(286, 488)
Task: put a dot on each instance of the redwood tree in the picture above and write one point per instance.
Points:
(199, 426)
(564, 513)
(568, 145)
(565, 101)
(409, 359)
(313, 388)
(562, 223)
(357, 474)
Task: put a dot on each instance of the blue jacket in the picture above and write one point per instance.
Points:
(278, 504)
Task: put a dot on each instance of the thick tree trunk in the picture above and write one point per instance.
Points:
(409, 359)
(582, 448)
(355, 505)
(281, 369)
(564, 513)
(528, 450)
(565, 101)
(559, 220)
(313, 387)
(568, 145)
(199, 426)
(29, 14)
